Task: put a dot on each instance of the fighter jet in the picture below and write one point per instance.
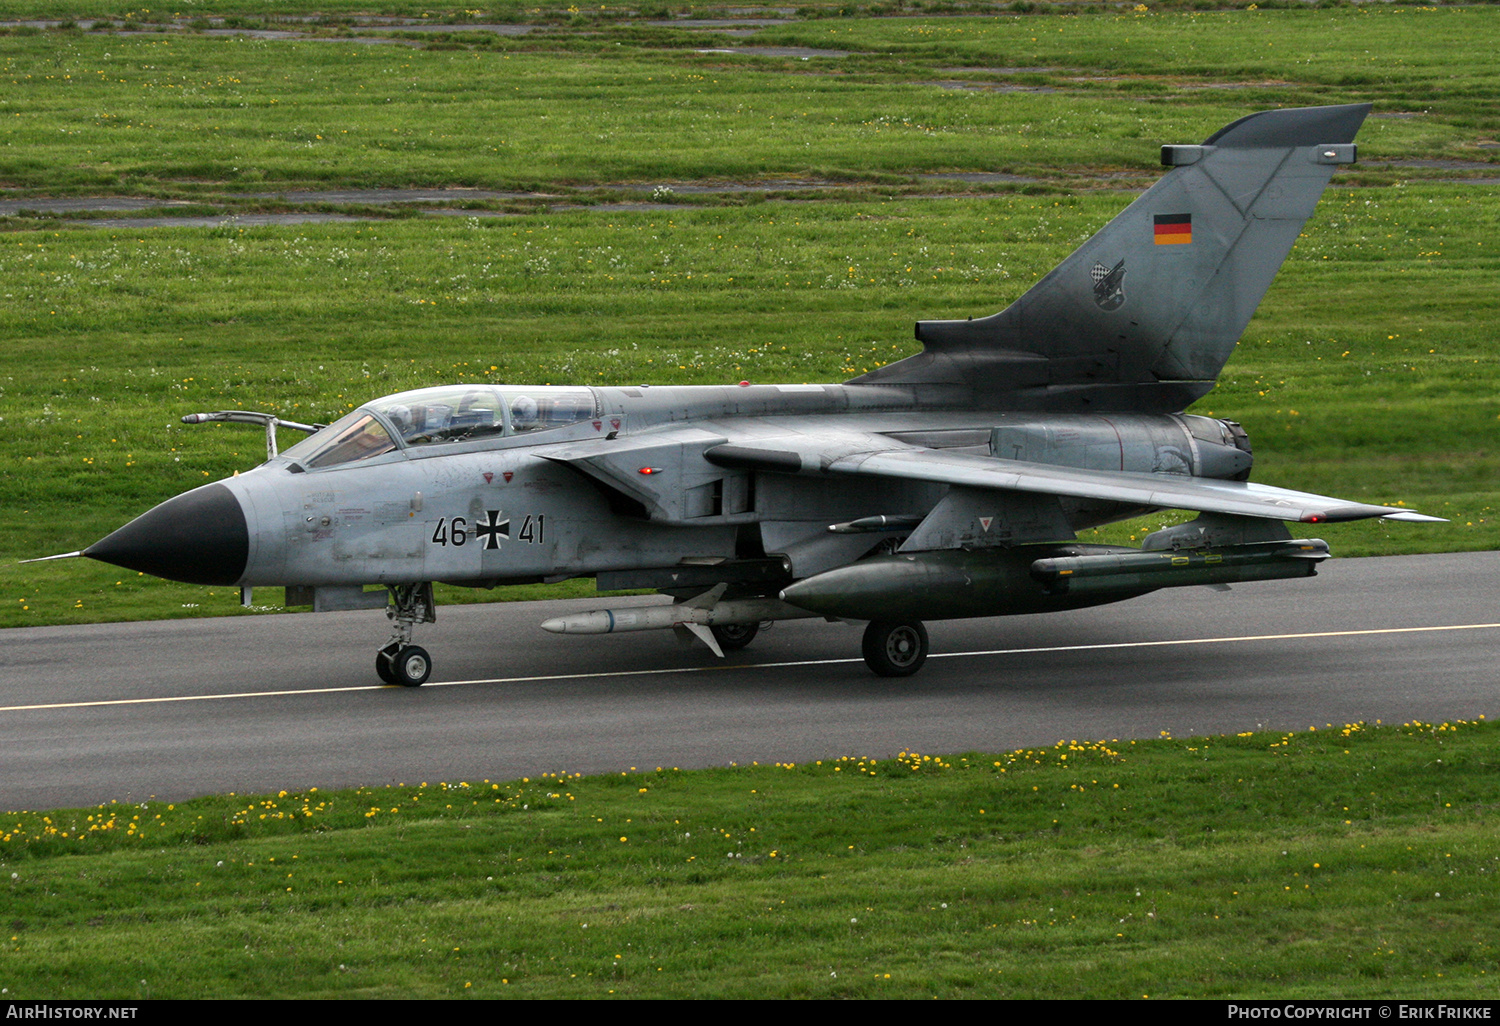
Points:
(949, 484)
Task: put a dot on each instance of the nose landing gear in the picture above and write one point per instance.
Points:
(399, 661)
(408, 666)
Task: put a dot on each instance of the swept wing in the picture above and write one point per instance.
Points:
(1168, 491)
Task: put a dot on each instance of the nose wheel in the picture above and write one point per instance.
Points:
(400, 662)
(895, 649)
(408, 666)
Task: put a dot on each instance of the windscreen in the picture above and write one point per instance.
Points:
(357, 436)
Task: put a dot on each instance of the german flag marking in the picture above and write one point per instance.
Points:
(1173, 229)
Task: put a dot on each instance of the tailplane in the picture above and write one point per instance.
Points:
(1144, 315)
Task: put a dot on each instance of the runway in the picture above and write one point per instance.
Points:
(180, 708)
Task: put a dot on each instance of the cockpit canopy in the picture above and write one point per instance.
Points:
(446, 414)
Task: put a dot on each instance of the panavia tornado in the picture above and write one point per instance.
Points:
(949, 484)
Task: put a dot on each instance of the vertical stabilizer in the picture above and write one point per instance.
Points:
(1160, 295)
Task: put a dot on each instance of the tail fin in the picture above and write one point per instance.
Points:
(1145, 314)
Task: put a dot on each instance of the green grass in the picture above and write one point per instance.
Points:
(344, 13)
(189, 115)
(1345, 862)
(1432, 56)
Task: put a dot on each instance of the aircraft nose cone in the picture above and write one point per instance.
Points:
(200, 537)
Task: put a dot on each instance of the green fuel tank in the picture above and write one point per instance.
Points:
(954, 583)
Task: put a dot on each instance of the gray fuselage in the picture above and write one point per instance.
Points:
(514, 508)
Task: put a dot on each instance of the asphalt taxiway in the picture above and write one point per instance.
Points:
(180, 708)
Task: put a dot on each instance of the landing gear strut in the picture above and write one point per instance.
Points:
(895, 648)
(401, 662)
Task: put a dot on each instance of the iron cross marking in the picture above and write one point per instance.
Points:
(493, 529)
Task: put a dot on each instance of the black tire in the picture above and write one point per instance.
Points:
(411, 667)
(384, 666)
(895, 648)
(734, 636)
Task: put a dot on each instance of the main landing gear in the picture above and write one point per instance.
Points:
(892, 648)
(895, 648)
(400, 662)
(734, 636)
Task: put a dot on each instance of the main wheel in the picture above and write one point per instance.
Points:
(895, 649)
(734, 636)
(411, 667)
